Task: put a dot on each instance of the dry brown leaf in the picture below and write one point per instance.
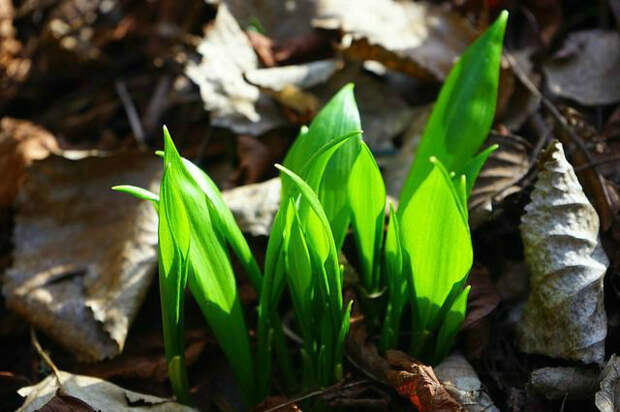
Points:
(65, 403)
(415, 38)
(14, 65)
(21, 142)
(96, 393)
(586, 68)
(275, 402)
(564, 316)
(233, 102)
(499, 175)
(84, 255)
(607, 399)
(565, 382)
(461, 380)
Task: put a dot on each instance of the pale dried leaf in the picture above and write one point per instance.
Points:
(607, 399)
(301, 75)
(461, 380)
(564, 316)
(99, 394)
(569, 382)
(415, 38)
(254, 206)
(84, 254)
(21, 142)
(586, 69)
(499, 175)
(233, 102)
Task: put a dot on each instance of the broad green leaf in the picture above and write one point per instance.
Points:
(339, 117)
(451, 325)
(437, 242)
(366, 194)
(464, 111)
(211, 278)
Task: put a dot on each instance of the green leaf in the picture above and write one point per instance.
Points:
(473, 167)
(464, 111)
(138, 192)
(366, 194)
(339, 117)
(211, 278)
(451, 325)
(438, 244)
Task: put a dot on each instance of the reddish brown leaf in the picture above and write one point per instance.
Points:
(275, 402)
(66, 403)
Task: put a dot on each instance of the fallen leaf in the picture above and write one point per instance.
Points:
(233, 102)
(564, 316)
(607, 399)
(93, 392)
(565, 382)
(84, 255)
(21, 142)
(254, 206)
(461, 380)
(65, 403)
(15, 65)
(483, 297)
(586, 68)
(419, 39)
(498, 178)
(303, 76)
(254, 160)
(276, 402)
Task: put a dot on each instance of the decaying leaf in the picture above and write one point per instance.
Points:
(84, 255)
(96, 393)
(461, 380)
(233, 102)
(21, 142)
(564, 316)
(415, 38)
(14, 65)
(254, 206)
(586, 68)
(569, 382)
(499, 175)
(607, 399)
(301, 75)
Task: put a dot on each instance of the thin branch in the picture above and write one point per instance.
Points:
(338, 385)
(130, 109)
(46, 358)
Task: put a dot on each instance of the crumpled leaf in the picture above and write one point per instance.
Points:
(21, 142)
(233, 102)
(570, 382)
(564, 316)
(461, 381)
(504, 168)
(84, 255)
(416, 381)
(607, 399)
(416, 38)
(94, 392)
(254, 206)
(586, 68)
(301, 75)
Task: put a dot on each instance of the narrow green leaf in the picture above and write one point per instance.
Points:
(438, 244)
(451, 325)
(366, 194)
(473, 167)
(138, 192)
(464, 111)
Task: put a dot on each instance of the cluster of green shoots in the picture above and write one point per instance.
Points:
(330, 184)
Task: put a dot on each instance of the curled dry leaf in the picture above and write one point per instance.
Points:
(461, 380)
(570, 382)
(233, 102)
(415, 38)
(301, 75)
(607, 399)
(499, 175)
(21, 142)
(254, 206)
(84, 255)
(92, 392)
(564, 316)
(586, 68)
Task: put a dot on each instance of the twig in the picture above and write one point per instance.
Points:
(598, 162)
(338, 385)
(130, 109)
(157, 105)
(46, 358)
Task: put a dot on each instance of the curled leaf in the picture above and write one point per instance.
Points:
(564, 316)
(608, 398)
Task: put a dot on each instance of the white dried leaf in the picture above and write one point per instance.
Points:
(98, 394)
(461, 380)
(254, 206)
(608, 398)
(233, 102)
(564, 316)
(84, 255)
(301, 75)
